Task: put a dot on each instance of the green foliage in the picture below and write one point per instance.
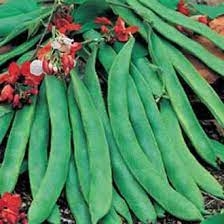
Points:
(211, 11)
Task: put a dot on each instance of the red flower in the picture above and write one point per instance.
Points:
(203, 19)
(72, 27)
(9, 217)
(181, 7)
(103, 21)
(6, 95)
(42, 52)
(76, 46)
(10, 209)
(16, 101)
(3, 78)
(12, 202)
(64, 24)
(14, 73)
(30, 79)
(123, 33)
(104, 29)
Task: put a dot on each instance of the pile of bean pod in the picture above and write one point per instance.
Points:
(119, 151)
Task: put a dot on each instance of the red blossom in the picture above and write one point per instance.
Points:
(42, 52)
(63, 22)
(103, 21)
(104, 29)
(30, 79)
(7, 95)
(65, 64)
(181, 7)
(10, 209)
(14, 73)
(203, 19)
(16, 101)
(123, 33)
(3, 78)
(76, 46)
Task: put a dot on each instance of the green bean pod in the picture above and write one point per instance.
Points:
(137, 161)
(100, 193)
(181, 103)
(112, 218)
(121, 207)
(124, 180)
(219, 150)
(16, 147)
(19, 50)
(38, 145)
(59, 157)
(74, 196)
(201, 176)
(206, 93)
(174, 166)
(175, 17)
(5, 122)
(80, 145)
(176, 37)
(143, 130)
(150, 76)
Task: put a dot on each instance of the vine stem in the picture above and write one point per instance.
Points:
(46, 28)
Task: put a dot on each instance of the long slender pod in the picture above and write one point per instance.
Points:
(175, 17)
(5, 122)
(57, 169)
(74, 195)
(121, 207)
(100, 193)
(206, 93)
(143, 129)
(174, 167)
(112, 218)
(137, 161)
(38, 149)
(219, 150)
(173, 164)
(181, 103)
(201, 176)
(126, 183)
(173, 35)
(16, 147)
(80, 145)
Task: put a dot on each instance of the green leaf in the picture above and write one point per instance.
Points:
(89, 10)
(216, 219)
(211, 11)
(170, 3)
(12, 7)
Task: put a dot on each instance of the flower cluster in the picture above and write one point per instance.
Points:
(58, 55)
(63, 21)
(19, 84)
(115, 32)
(10, 206)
